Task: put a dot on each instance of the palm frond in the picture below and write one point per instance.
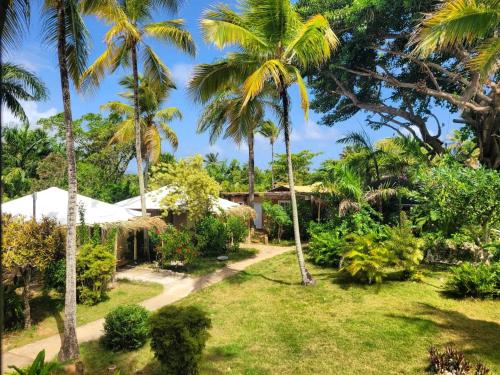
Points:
(125, 132)
(156, 71)
(304, 97)
(14, 22)
(486, 61)
(270, 70)
(152, 141)
(170, 135)
(173, 32)
(168, 114)
(118, 107)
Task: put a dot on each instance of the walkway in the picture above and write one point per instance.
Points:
(176, 287)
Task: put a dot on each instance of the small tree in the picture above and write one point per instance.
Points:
(276, 219)
(193, 190)
(29, 246)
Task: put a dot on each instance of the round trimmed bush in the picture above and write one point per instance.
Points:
(125, 328)
(178, 337)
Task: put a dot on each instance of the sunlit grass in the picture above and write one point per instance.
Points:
(264, 322)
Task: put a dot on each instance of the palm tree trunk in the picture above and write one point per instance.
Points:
(306, 276)
(69, 346)
(146, 174)
(272, 165)
(138, 144)
(26, 298)
(251, 168)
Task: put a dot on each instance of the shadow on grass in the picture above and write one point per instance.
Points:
(475, 337)
(244, 276)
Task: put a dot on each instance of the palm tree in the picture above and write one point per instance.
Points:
(463, 22)
(14, 21)
(64, 27)
(269, 130)
(225, 115)
(274, 44)
(153, 120)
(19, 84)
(211, 158)
(131, 25)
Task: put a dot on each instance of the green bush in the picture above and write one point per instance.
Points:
(125, 328)
(40, 367)
(237, 230)
(13, 317)
(55, 276)
(175, 246)
(325, 246)
(276, 220)
(211, 236)
(475, 280)
(95, 266)
(178, 337)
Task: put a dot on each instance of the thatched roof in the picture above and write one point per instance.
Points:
(245, 212)
(148, 222)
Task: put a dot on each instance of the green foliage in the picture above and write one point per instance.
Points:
(191, 185)
(54, 276)
(175, 246)
(211, 236)
(13, 317)
(178, 337)
(125, 328)
(95, 266)
(276, 219)
(39, 367)
(301, 162)
(475, 280)
(325, 245)
(237, 229)
(451, 361)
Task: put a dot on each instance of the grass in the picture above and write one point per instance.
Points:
(48, 311)
(264, 322)
(204, 265)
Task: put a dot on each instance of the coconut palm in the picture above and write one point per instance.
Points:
(273, 43)
(463, 22)
(211, 158)
(130, 20)
(19, 84)
(226, 116)
(14, 21)
(154, 120)
(63, 27)
(269, 130)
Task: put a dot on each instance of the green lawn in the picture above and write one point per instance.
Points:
(48, 311)
(265, 323)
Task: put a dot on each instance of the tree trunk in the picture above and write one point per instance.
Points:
(272, 165)
(251, 168)
(69, 346)
(138, 144)
(306, 276)
(26, 298)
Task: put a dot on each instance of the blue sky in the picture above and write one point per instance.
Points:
(305, 135)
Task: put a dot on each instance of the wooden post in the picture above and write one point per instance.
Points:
(115, 252)
(319, 210)
(135, 246)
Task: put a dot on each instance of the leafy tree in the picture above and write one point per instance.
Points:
(193, 190)
(301, 162)
(29, 246)
(273, 43)
(153, 119)
(269, 130)
(131, 25)
(276, 219)
(64, 28)
(18, 84)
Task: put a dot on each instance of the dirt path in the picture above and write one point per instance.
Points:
(176, 287)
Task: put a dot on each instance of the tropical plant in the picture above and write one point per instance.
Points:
(175, 246)
(301, 162)
(64, 28)
(237, 229)
(273, 44)
(211, 236)
(14, 21)
(451, 361)
(19, 84)
(124, 40)
(325, 245)
(269, 130)
(475, 280)
(463, 22)
(154, 120)
(39, 367)
(276, 219)
(125, 328)
(178, 337)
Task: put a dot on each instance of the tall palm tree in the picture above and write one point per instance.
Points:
(64, 27)
(19, 84)
(269, 130)
(463, 22)
(14, 21)
(154, 120)
(273, 43)
(225, 115)
(130, 20)
(211, 158)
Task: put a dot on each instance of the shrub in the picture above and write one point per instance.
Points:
(276, 220)
(125, 328)
(55, 276)
(178, 337)
(325, 246)
(237, 230)
(453, 362)
(95, 266)
(211, 236)
(40, 367)
(13, 317)
(475, 280)
(176, 246)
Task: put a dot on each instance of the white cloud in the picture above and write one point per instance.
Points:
(311, 131)
(181, 73)
(32, 111)
(216, 149)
